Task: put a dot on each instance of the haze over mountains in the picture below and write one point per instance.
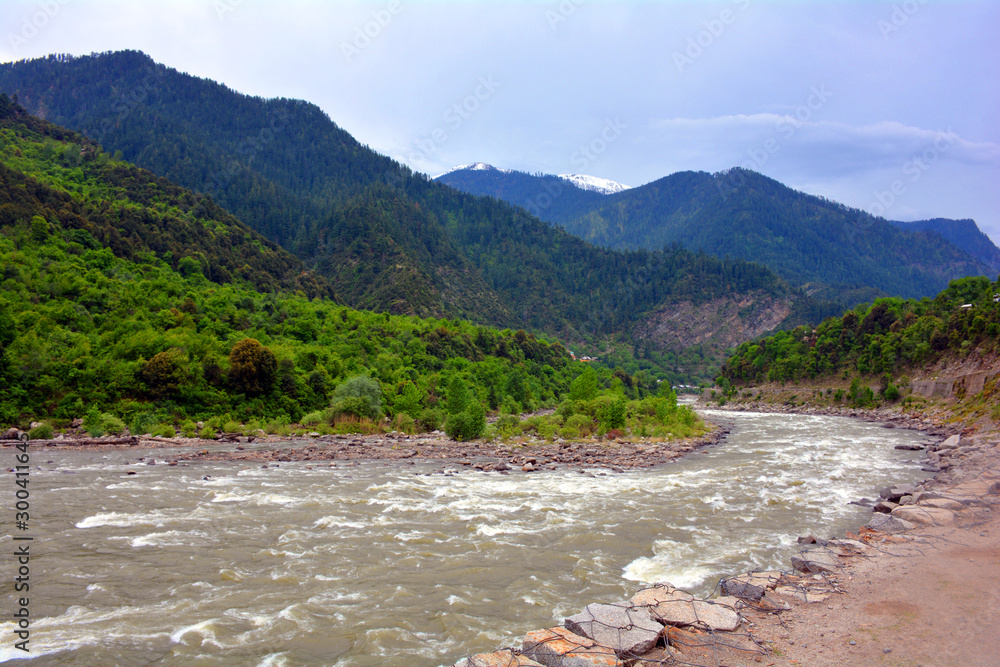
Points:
(808, 240)
(388, 239)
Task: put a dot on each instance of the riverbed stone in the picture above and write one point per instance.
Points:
(674, 607)
(498, 659)
(559, 647)
(886, 523)
(884, 506)
(627, 629)
(950, 443)
(752, 585)
(927, 516)
(816, 561)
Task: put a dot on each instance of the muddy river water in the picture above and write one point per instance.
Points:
(395, 564)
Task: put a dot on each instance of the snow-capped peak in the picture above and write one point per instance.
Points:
(478, 166)
(594, 184)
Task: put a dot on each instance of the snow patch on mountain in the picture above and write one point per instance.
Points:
(478, 166)
(594, 184)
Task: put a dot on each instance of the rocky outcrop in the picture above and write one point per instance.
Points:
(626, 629)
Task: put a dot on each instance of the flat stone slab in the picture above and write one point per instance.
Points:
(673, 607)
(626, 629)
(941, 503)
(816, 561)
(499, 659)
(927, 516)
(801, 594)
(558, 647)
(885, 523)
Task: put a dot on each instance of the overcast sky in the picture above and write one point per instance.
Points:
(891, 107)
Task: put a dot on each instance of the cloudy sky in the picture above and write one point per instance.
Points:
(887, 106)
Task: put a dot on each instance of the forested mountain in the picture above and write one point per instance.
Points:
(882, 341)
(386, 238)
(962, 233)
(126, 296)
(807, 240)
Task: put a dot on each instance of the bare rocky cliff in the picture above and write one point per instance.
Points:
(719, 323)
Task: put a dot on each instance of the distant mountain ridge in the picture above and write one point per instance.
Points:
(808, 240)
(386, 238)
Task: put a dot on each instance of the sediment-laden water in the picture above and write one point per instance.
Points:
(391, 564)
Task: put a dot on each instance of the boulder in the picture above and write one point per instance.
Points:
(910, 447)
(927, 516)
(505, 658)
(816, 561)
(950, 443)
(673, 607)
(752, 585)
(626, 629)
(884, 506)
(886, 523)
(558, 647)
(941, 503)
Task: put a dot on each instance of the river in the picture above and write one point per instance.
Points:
(394, 564)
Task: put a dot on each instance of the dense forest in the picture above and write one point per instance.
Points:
(132, 303)
(882, 341)
(807, 240)
(385, 238)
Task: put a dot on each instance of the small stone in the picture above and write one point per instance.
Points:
(887, 650)
(853, 643)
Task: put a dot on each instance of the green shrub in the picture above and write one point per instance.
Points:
(189, 429)
(431, 419)
(163, 431)
(92, 423)
(313, 418)
(360, 396)
(612, 415)
(232, 427)
(207, 433)
(43, 431)
(507, 425)
(112, 424)
(891, 393)
(582, 425)
(467, 425)
(142, 423)
(404, 423)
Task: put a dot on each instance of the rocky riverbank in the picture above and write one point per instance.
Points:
(525, 455)
(918, 585)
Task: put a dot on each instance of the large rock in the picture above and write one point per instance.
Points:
(816, 561)
(629, 630)
(886, 523)
(927, 516)
(499, 659)
(752, 585)
(941, 503)
(673, 607)
(950, 443)
(558, 647)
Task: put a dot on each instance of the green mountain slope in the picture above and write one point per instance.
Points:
(126, 296)
(807, 240)
(964, 234)
(387, 239)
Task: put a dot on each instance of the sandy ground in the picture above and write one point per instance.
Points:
(932, 598)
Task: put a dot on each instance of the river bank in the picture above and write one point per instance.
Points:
(525, 454)
(918, 585)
